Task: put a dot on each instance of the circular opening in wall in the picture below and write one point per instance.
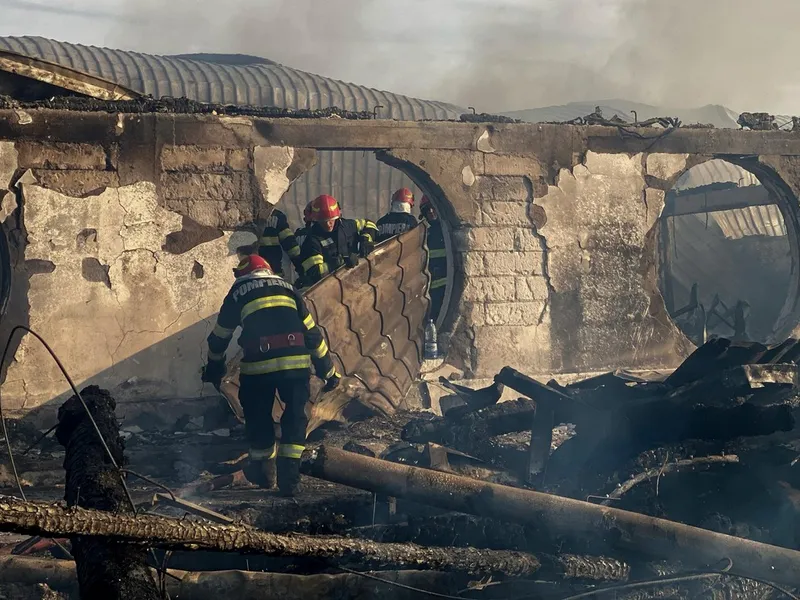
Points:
(726, 256)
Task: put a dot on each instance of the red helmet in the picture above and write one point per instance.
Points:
(403, 195)
(425, 203)
(251, 263)
(325, 208)
(307, 213)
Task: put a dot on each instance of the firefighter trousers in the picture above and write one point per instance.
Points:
(257, 397)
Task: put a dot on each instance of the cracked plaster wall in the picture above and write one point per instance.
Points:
(140, 330)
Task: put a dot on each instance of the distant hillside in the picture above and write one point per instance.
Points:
(717, 115)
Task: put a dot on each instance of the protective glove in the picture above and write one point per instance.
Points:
(351, 261)
(366, 248)
(332, 382)
(213, 373)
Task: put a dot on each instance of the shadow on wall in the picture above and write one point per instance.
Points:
(150, 381)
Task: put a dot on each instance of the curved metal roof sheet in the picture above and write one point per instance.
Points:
(211, 80)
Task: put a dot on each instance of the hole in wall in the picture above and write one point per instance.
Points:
(363, 185)
(727, 265)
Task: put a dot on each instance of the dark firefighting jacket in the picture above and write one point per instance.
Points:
(394, 224)
(437, 255)
(301, 234)
(278, 238)
(324, 252)
(279, 335)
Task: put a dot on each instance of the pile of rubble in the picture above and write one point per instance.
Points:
(680, 486)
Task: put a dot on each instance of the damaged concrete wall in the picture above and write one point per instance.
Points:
(119, 310)
(555, 261)
(558, 265)
(122, 265)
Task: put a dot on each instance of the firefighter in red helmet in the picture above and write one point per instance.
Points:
(399, 219)
(333, 240)
(437, 255)
(280, 342)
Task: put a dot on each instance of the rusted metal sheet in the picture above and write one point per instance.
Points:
(373, 318)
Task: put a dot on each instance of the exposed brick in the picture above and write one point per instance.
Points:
(511, 263)
(473, 264)
(501, 188)
(505, 164)
(193, 159)
(488, 289)
(474, 313)
(76, 183)
(504, 213)
(58, 155)
(511, 188)
(514, 313)
(238, 159)
(490, 239)
(526, 240)
(532, 288)
(207, 186)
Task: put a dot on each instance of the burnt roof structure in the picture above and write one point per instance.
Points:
(363, 184)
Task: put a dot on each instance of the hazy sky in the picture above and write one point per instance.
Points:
(492, 54)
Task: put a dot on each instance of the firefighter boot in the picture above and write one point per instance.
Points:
(261, 472)
(288, 476)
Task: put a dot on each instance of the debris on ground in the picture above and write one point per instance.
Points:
(613, 480)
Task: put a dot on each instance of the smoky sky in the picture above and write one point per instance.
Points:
(492, 54)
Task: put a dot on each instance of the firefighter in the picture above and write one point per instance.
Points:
(333, 240)
(280, 342)
(302, 232)
(437, 256)
(278, 238)
(399, 219)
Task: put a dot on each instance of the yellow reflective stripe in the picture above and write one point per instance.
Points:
(270, 240)
(309, 322)
(222, 332)
(368, 223)
(294, 252)
(320, 350)
(312, 261)
(331, 373)
(263, 453)
(360, 223)
(367, 236)
(324, 269)
(274, 365)
(271, 302)
(285, 233)
(441, 253)
(215, 356)
(437, 283)
(291, 450)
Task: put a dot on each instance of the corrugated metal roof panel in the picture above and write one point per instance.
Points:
(715, 171)
(268, 84)
(753, 220)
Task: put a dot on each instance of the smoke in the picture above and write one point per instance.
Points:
(676, 53)
(502, 54)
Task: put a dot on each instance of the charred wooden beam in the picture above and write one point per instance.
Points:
(60, 575)
(690, 464)
(106, 570)
(562, 516)
(507, 417)
(173, 534)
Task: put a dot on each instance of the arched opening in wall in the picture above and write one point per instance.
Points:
(363, 186)
(727, 263)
